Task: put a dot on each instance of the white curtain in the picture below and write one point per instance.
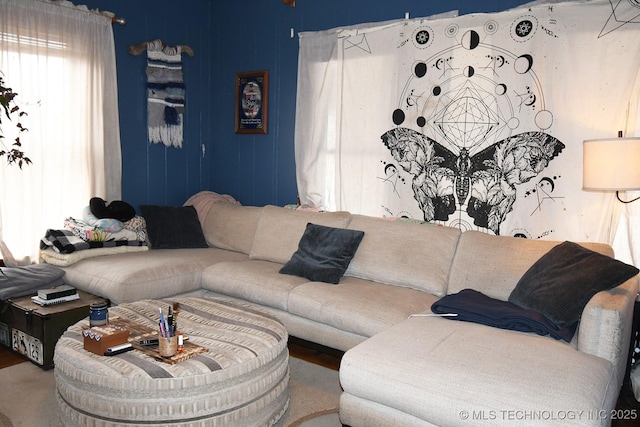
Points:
(319, 108)
(627, 240)
(474, 121)
(60, 59)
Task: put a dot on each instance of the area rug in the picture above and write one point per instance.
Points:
(27, 396)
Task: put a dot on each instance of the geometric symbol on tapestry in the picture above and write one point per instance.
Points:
(622, 12)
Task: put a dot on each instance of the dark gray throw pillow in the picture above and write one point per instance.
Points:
(173, 227)
(324, 253)
(561, 283)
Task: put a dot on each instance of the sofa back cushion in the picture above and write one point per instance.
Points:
(231, 227)
(280, 229)
(416, 256)
(493, 265)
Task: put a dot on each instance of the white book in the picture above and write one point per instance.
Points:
(46, 302)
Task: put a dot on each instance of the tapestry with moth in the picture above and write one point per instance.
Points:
(472, 121)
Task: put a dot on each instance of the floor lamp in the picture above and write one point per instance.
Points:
(611, 164)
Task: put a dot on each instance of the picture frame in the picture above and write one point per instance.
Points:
(252, 98)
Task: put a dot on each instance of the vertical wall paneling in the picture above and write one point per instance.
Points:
(231, 37)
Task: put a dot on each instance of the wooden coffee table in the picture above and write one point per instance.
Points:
(241, 379)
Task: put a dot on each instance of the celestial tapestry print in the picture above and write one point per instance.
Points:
(477, 121)
(483, 184)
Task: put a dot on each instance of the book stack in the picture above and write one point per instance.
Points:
(57, 295)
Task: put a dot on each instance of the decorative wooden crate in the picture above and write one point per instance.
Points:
(33, 330)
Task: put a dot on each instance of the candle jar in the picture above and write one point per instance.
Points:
(98, 314)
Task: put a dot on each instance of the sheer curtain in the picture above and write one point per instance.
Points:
(627, 239)
(60, 59)
(318, 131)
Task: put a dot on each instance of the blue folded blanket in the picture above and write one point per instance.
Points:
(476, 307)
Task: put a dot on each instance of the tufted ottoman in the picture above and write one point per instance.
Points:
(241, 380)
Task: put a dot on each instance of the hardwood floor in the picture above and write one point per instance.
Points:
(9, 358)
(315, 353)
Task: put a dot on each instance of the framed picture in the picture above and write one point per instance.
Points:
(252, 96)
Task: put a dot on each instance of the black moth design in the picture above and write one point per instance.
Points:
(484, 182)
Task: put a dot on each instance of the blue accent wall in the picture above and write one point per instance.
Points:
(230, 37)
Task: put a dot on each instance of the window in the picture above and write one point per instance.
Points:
(61, 62)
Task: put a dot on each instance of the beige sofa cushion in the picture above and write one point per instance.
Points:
(462, 368)
(416, 256)
(252, 280)
(280, 229)
(157, 273)
(494, 264)
(231, 227)
(355, 305)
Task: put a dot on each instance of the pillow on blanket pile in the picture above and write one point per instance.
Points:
(170, 227)
(549, 298)
(122, 211)
(560, 284)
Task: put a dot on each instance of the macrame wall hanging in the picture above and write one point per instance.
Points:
(165, 91)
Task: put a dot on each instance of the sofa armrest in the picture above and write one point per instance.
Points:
(605, 326)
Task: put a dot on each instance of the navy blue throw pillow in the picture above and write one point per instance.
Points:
(324, 253)
(560, 284)
(173, 227)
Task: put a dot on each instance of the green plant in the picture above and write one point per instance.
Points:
(8, 103)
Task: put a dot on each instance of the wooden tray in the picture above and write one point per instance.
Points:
(141, 332)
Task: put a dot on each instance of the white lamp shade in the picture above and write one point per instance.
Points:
(611, 164)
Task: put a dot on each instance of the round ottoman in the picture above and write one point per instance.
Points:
(240, 380)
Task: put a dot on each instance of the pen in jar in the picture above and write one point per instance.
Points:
(170, 321)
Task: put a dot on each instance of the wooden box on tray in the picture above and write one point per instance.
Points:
(98, 339)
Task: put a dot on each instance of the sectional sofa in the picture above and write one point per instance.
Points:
(402, 366)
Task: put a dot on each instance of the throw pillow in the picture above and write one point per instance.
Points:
(110, 225)
(170, 227)
(122, 211)
(560, 284)
(324, 253)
